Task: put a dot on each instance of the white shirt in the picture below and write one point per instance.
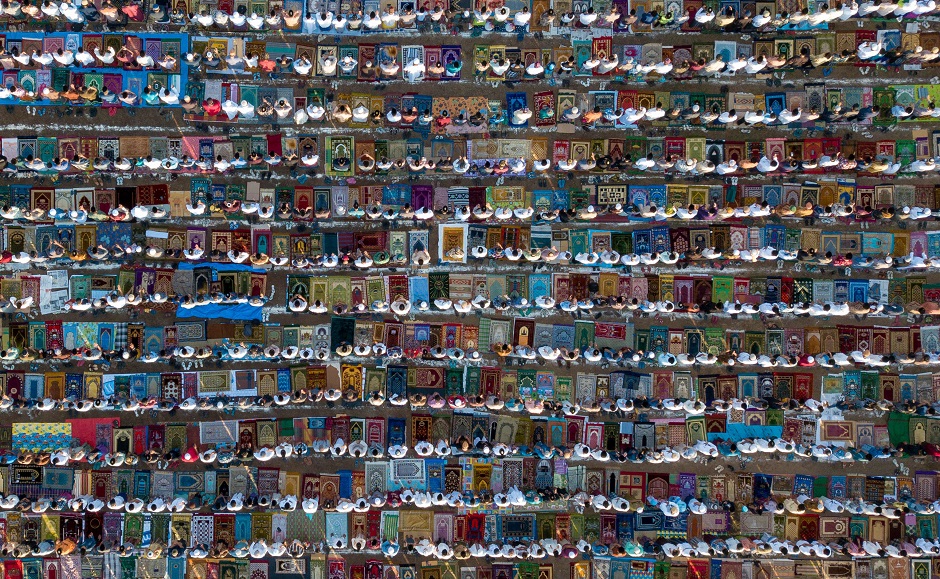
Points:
(85, 59)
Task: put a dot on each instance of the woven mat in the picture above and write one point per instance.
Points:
(132, 147)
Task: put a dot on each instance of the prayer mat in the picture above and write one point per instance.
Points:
(339, 152)
(516, 101)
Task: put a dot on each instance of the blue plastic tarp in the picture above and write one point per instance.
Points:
(738, 432)
(237, 312)
(220, 266)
